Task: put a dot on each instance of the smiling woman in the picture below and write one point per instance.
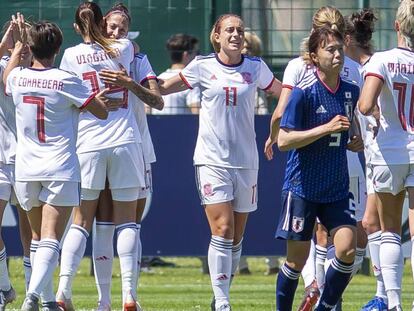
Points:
(225, 157)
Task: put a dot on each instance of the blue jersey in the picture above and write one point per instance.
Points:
(318, 172)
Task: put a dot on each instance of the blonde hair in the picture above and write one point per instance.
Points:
(405, 19)
(326, 16)
(88, 17)
(216, 29)
(254, 43)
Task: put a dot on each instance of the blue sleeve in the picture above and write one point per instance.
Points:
(293, 115)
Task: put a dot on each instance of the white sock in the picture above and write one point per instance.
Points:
(308, 271)
(27, 271)
(320, 265)
(139, 254)
(220, 265)
(4, 272)
(374, 242)
(34, 244)
(359, 258)
(391, 259)
(45, 262)
(73, 250)
(235, 258)
(243, 263)
(103, 257)
(127, 251)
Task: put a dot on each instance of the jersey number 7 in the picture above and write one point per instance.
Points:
(40, 115)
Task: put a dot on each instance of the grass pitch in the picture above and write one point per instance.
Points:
(185, 288)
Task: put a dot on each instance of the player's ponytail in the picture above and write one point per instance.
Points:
(360, 26)
(405, 19)
(89, 19)
(326, 16)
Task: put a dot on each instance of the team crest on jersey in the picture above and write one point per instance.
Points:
(208, 190)
(247, 77)
(298, 224)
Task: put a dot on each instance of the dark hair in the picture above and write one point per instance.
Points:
(319, 37)
(44, 39)
(178, 44)
(216, 29)
(119, 8)
(89, 17)
(360, 26)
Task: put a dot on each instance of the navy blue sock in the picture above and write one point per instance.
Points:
(336, 279)
(286, 284)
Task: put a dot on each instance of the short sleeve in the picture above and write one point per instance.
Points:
(64, 64)
(143, 69)
(190, 74)
(193, 97)
(293, 115)
(77, 91)
(375, 67)
(293, 72)
(11, 81)
(3, 65)
(266, 76)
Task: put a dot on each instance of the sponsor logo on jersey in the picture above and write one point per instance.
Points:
(321, 109)
(247, 77)
(213, 77)
(298, 224)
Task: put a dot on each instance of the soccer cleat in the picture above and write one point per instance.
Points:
(375, 304)
(397, 308)
(64, 303)
(103, 306)
(30, 303)
(7, 297)
(225, 307)
(131, 304)
(310, 298)
(51, 306)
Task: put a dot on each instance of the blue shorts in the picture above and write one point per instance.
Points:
(298, 217)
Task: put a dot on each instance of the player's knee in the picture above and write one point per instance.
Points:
(224, 230)
(346, 254)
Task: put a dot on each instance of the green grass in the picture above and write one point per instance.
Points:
(185, 288)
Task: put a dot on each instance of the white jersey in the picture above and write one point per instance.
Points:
(395, 138)
(297, 71)
(181, 102)
(47, 102)
(226, 135)
(366, 123)
(7, 122)
(86, 60)
(141, 71)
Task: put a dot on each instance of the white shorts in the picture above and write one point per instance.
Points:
(221, 184)
(145, 191)
(369, 172)
(122, 165)
(357, 197)
(393, 178)
(58, 193)
(7, 183)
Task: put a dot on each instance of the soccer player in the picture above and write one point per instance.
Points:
(108, 149)
(359, 27)
(182, 49)
(314, 128)
(47, 167)
(117, 21)
(388, 95)
(298, 70)
(225, 158)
